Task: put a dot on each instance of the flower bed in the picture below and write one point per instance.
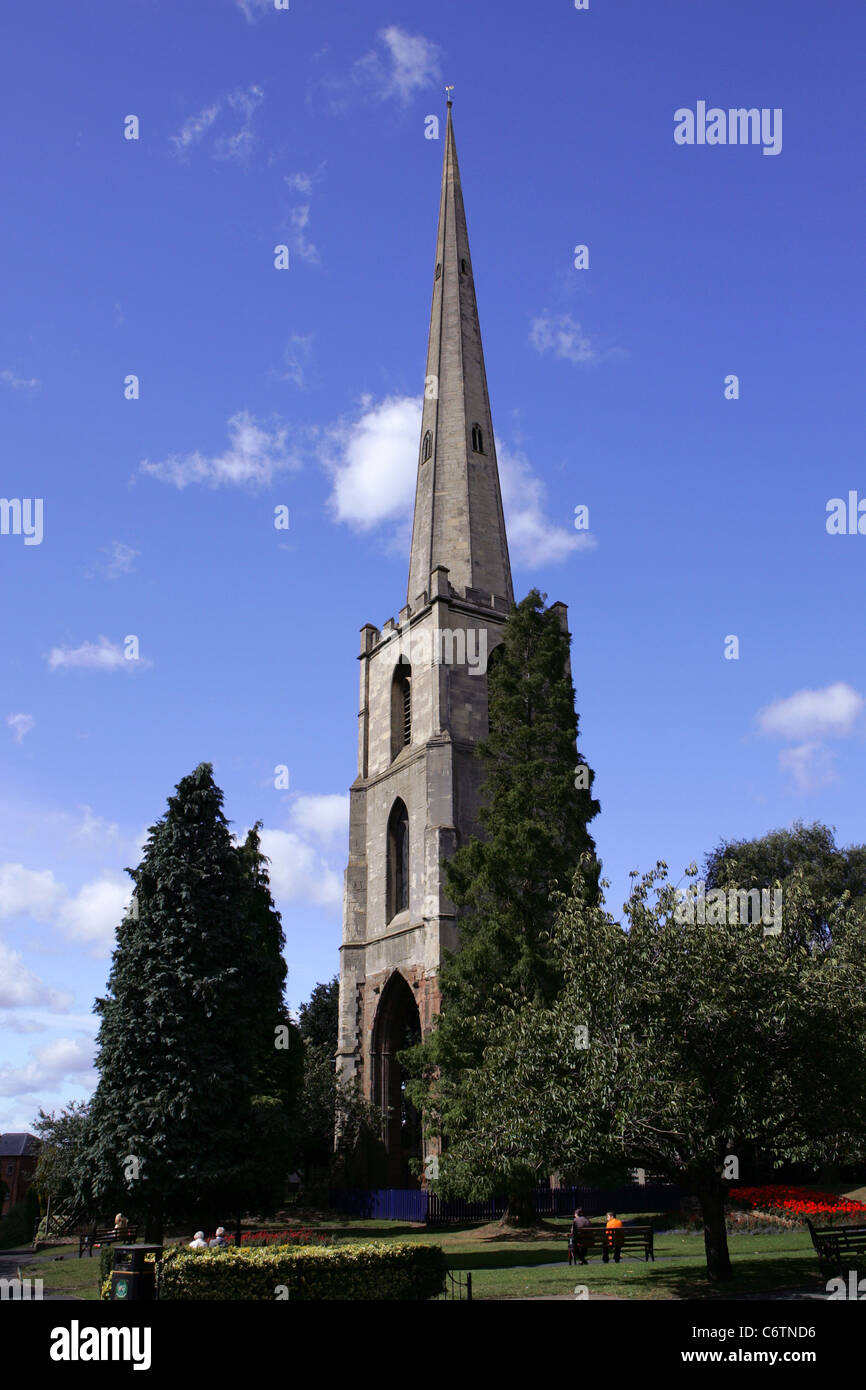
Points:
(298, 1235)
(796, 1201)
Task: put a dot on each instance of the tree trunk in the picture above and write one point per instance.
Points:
(519, 1210)
(153, 1224)
(711, 1193)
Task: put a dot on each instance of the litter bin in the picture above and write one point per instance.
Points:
(133, 1279)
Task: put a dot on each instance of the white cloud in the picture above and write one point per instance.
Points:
(57, 1061)
(325, 817)
(299, 242)
(89, 915)
(373, 462)
(810, 716)
(103, 655)
(532, 539)
(297, 871)
(300, 183)
(235, 145)
(299, 216)
(238, 144)
(562, 336)
(252, 458)
(809, 764)
(813, 714)
(401, 66)
(195, 127)
(296, 358)
(409, 64)
(17, 1023)
(251, 8)
(29, 892)
(120, 559)
(20, 987)
(93, 914)
(96, 830)
(21, 724)
(78, 835)
(19, 383)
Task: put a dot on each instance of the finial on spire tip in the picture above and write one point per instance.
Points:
(449, 99)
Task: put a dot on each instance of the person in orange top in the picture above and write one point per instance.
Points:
(614, 1242)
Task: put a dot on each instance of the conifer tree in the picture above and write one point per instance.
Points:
(538, 803)
(190, 1074)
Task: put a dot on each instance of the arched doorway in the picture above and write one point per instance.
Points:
(397, 1026)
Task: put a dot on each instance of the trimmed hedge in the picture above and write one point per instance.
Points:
(373, 1270)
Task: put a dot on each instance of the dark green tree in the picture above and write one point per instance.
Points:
(537, 804)
(270, 1149)
(316, 1111)
(317, 1115)
(62, 1158)
(774, 858)
(192, 1081)
(670, 1040)
(318, 1018)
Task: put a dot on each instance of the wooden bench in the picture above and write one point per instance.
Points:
(88, 1241)
(622, 1237)
(838, 1247)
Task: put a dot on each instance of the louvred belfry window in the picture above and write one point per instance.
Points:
(407, 713)
(401, 708)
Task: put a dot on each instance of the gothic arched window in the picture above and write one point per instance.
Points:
(464, 267)
(398, 860)
(401, 708)
(477, 440)
(427, 446)
(438, 270)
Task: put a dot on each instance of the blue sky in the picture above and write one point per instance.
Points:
(261, 387)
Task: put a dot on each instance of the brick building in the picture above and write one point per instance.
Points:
(18, 1156)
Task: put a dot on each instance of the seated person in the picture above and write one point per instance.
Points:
(614, 1241)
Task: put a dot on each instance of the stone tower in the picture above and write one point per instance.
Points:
(423, 705)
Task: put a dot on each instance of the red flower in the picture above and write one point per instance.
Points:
(798, 1200)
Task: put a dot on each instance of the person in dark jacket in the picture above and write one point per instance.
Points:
(577, 1247)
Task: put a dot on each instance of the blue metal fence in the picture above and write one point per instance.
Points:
(395, 1204)
(383, 1203)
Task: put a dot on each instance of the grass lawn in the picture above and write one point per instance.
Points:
(534, 1264)
(505, 1265)
(762, 1264)
(72, 1277)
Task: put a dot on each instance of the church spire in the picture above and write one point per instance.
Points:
(458, 506)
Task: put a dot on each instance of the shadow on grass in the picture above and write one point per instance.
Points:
(388, 1229)
(755, 1277)
(764, 1274)
(504, 1259)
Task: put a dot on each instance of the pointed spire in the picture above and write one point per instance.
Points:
(458, 505)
